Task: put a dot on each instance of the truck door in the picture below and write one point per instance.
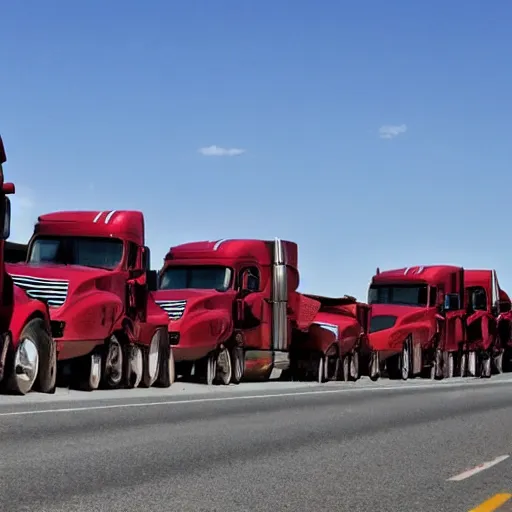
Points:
(137, 290)
(250, 315)
(454, 329)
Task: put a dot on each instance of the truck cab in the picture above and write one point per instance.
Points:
(230, 307)
(27, 350)
(92, 268)
(417, 320)
(488, 322)
(335, 338)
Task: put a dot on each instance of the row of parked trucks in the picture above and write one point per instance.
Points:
(81, 307)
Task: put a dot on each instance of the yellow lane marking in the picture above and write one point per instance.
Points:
(492, 503)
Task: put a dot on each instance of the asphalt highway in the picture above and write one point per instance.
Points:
(414, 446)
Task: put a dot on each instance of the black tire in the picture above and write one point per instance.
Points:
(223, 367)
(46, 381)
(374, 360)
(82, 377)
(355, 371)
(147, 378)
(112, 379)
(131, 379)
(206, 369)
(167, 368)
(46, 377)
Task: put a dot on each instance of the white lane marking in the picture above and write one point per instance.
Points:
(477, 469)
(251, 397)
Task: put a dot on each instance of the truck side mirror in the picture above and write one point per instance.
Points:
(504, 306)
(152, 280)
(451, 302)
(249, 282)
(5, 207)
(244, 285)
(146, 258)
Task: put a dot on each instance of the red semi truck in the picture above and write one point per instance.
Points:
(234, 311)
(337, 337)
(417, 321)
(27, 350)
(92, 269)
(488, 324)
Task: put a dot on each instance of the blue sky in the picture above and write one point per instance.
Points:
(105, 105)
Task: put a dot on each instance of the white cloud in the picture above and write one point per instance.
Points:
(218, 151)
(390, 131)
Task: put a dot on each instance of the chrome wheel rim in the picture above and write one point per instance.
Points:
(114, 362)
(405, 362)
(211, 370)
(320, 370)
(223, 366)
(95, 371)
(135, 365)
(154, 357)
(354, 365)
(238, 366)
(172, 367)
(26, 365)
(472, 363)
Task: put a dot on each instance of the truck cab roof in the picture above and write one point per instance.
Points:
(429, 274)
(123, 224)
(233, 250)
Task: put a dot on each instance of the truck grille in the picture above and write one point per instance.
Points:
(173, 308)
(52, 291)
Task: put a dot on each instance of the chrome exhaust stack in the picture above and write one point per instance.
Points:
(280, 307)
(495, 300)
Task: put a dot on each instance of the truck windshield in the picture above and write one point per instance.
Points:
(198, 277)
(405, 295)
(104, 253)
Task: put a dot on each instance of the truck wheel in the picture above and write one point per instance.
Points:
(151, 361)
(374, 366)
(332, 367)
(87, 372)
(345, 368)
(206, 369)
(167, 370)
(320, 369)
(497, 361)
(112, 371)
(486, 368)
(133, 366)
(238, 362)
(46, 380)
(23, 365)
(463, 364)
(472, 363)
(437, 365)
(224, 368)
(405, 361)
(449, 365)
(354, 366)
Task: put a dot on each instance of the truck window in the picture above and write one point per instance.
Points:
(433, 297)
(132, 255)
(404, 295)
(254, 278)
(201, 277)
(103, 253)
(478, 298)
